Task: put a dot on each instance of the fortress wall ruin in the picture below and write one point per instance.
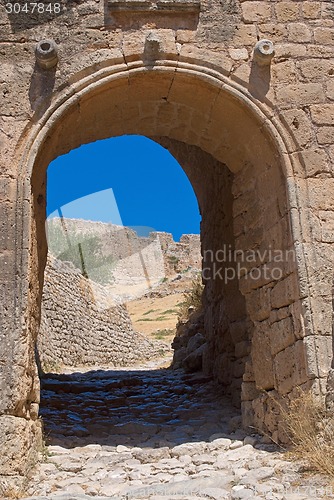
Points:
(82, 326)
(190, 73)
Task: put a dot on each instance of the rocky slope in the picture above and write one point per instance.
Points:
(93, 270)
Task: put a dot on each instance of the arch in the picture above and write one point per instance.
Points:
(40, 126)
(196, 112)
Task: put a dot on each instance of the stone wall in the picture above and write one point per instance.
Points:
(227, 326)
(181, 255)
(80, 325)
(185, 71)
(128, 265)
(252, 310)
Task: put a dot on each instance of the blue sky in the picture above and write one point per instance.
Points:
(127, 180)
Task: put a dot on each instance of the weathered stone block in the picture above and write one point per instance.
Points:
(285, 292)
(296, 310)
(321, 194)
(238, 369)
(330, 89)
(247, 414)
(331, 155)
(248, 375)
(239, 54)
(258, 304)
(242, 349)
(322, 321)
(7, 226)
(315, 161)
(256, 12)
(261, 357)
(299, 126)
(262, 275)
(20, 438)
(323, 114)
(324, 35)
(133, 44)
(327, 226)
(325, 135)
(8, 188)
(278, 314)
(299, 32)
(287, 50)
(300, 94)
(244, 35)
(290, 367)
(319, 355)
(272, 413)
(274, 31)
(281, 335)
(311, 10)
(284, 72)
(287, 11)
(249, 392)
(316, 69)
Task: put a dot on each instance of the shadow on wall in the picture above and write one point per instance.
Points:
(259, 81)
(41, 87)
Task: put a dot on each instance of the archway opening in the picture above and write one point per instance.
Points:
(233, 163)
(114, 287)
(130, 226)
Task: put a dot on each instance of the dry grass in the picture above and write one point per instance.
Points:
(146, 313)
(192, 299)
(311, 431)
(12, 492)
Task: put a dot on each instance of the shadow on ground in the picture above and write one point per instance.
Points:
(152, 408)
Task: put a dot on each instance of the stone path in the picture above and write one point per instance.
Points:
(155, 434)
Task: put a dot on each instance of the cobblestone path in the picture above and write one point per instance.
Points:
(155, 434)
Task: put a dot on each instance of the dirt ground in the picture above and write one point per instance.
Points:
(156, 316)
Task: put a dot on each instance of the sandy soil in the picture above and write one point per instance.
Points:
(156, 316)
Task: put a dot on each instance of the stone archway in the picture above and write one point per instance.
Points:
(238, 163)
